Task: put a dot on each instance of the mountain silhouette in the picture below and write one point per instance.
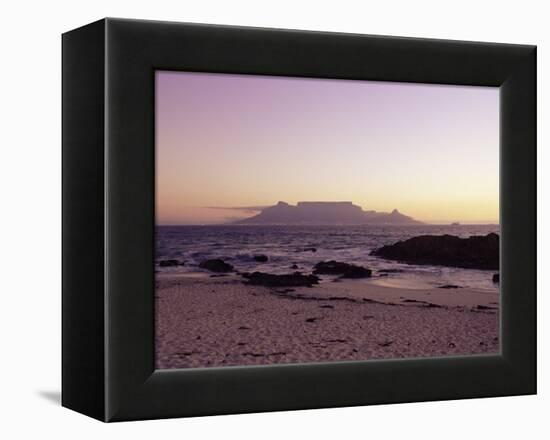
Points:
(321, 213)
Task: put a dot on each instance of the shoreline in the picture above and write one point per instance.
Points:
(205, 321)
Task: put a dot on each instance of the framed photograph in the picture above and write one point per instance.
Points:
(262, 219)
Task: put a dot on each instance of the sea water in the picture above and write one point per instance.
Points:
(305, 246)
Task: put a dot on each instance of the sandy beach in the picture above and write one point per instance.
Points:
(208, 321)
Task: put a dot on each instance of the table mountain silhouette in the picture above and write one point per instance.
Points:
(322, 213)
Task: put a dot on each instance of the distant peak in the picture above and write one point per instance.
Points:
(321, 212)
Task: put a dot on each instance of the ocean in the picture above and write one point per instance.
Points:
(288, 245)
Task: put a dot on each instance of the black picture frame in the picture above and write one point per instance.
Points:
(108, 219)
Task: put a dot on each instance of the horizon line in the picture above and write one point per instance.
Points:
(423, 223)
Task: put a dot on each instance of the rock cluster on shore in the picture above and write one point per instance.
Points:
(345, 270)
(476, 252)
(287, 280)
(296, 279)
(216, 265)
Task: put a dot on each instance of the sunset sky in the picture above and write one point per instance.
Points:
(244, 141)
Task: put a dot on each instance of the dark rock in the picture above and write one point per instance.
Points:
(344, 269)
(287, 280)
(311, 319)
(429, 305)
(310, 249)
(414, 301)
(482, 307)
(475, 252)
(496, 278)
(294, 266)
(449, 286)
(170, 263)
(390, 271)
(216, 265)
(357, 272)
(260, 258)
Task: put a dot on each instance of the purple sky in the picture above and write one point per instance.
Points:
(223, 140)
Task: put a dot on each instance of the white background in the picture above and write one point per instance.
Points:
(30, 185)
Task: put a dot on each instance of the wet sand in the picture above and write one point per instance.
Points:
(204, 321)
